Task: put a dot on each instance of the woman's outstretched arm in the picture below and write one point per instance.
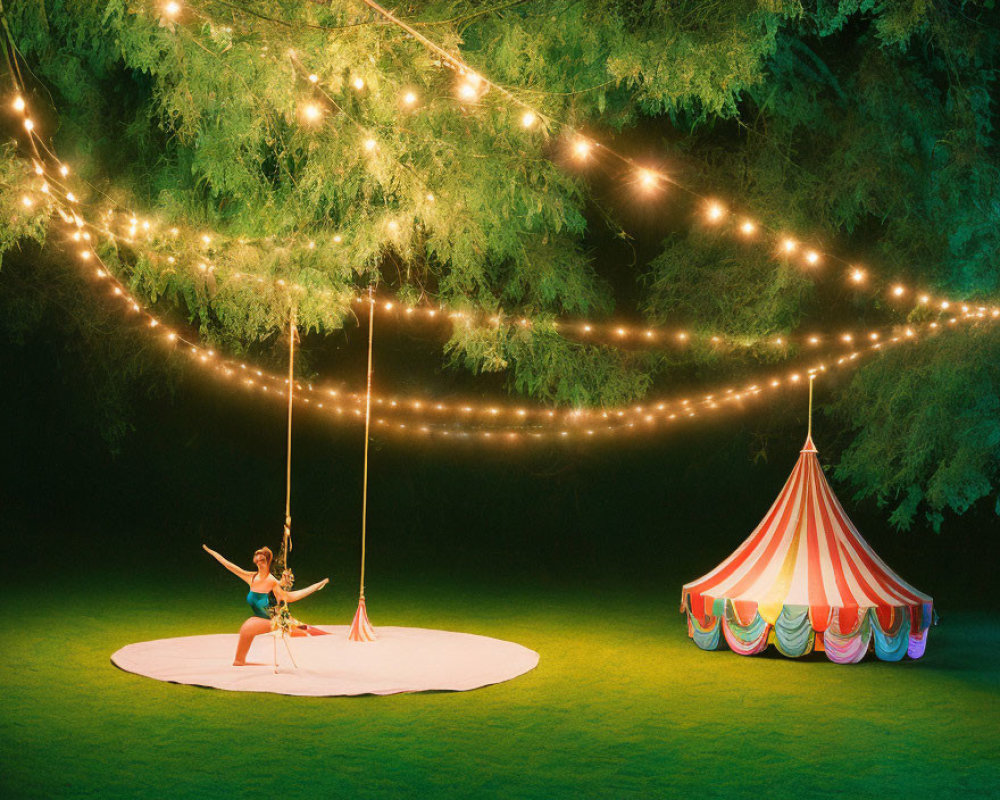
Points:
(245, 574)
(298, 594)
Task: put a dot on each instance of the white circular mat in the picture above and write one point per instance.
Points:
(400, 660)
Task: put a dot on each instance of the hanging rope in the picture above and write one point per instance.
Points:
(286, 578)
(361, 629)
(286, 539)
(368, 416)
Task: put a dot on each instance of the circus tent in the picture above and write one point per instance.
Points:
(806, 580)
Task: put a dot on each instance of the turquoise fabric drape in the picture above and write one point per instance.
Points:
(793, 631)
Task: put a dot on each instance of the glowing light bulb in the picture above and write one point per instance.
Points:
(945, 305)
(314, 78)
(788, 245)
(63, 170)
(393, 225)
(337, 239)
(813, 340)
(715, 212)
(467, 91)
(857, 275)
(581, 149)
(528, 119)
(873, 336)
(172, 9)
(312, 112)
(747, 228)
(410, 98)
(812, 257)
(682, 337)
(29, 125)
(847, 338)
(206, 239)
(19, 103)
(359, 84)
(898, 291)
(370, 144)
(430, 197)
(647, 178)
(71, 197)
(27, 202)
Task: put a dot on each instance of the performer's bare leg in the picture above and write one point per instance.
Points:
(253, 627)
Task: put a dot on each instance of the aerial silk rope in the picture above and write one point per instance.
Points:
(286, 577)
(286, 540)
(361, 628)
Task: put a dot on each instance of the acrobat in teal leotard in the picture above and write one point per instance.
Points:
(259, 602)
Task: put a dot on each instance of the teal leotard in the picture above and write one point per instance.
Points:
(259, 602)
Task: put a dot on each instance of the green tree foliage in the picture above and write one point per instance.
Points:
(865, 125)
(927, 425)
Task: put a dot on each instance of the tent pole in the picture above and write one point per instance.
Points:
(810, 428)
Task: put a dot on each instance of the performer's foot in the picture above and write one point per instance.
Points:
(249, 664)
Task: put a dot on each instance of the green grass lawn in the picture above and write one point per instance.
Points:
(622, 704)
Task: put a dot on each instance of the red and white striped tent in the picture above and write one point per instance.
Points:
(806, 580)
